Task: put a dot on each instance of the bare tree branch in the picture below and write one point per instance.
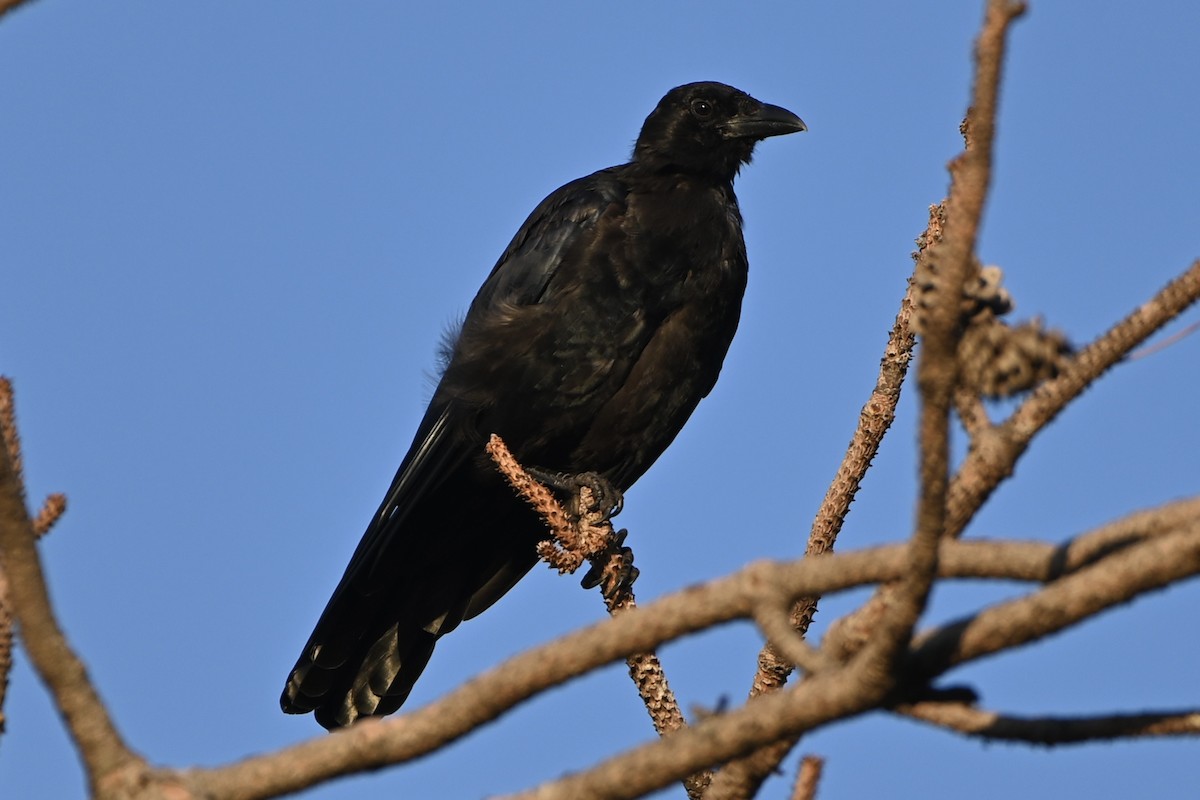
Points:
(837, 694)
(1049, 731)
(10, 5)
(872, 661)
(807, 778)
(51, 511)
(1108, 538)
(1173, 339)
(1142, 567)
(106, 757)
(11, 441)
(562, 527)
(874, 420)
(10, 435)
(821, 698)
(6, 643)
(785, 641)
(372, 744)
(997, 451)
(943, 268)
(971, 412)
(589, 535)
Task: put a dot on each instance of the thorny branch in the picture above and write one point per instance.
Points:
(52, 509)
(589, 535)
(775, 663)
(996, 452)
(105, 755)
(117, 772)
(874, 420)
(943, 268)
(836, 694)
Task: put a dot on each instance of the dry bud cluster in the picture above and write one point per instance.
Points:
(996, 359)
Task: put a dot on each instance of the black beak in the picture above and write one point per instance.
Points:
(767, 121)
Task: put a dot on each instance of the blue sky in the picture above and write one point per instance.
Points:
(231, 234)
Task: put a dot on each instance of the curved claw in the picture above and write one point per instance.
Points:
(592, 578)
(606, 497)
(622, 575)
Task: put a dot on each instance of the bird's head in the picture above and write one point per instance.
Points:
(709, 128)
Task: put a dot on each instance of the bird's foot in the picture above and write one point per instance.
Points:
(606, 499)
(592, 537)
(612, 569)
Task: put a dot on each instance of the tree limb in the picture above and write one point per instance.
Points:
(106, 757)
(589, 535)
(1148, 565)
(998, 449)
(837, 694)
(1050, 731)
(943, 268)
(807, 778)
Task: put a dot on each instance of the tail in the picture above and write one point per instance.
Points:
(448, 540)
(365, 675)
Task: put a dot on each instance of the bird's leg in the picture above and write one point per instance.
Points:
(612, 562)
(605, 498)
(593, 501)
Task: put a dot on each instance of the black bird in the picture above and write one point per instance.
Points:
(591, 342)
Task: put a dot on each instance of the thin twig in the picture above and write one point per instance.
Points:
(971, 412)
(997, 452)
(53, 508)
(6, 643)
(9, 433)
(372, 744)
(1093, 545)
(106, 757)
(1151, 349)
(542, 499)
(837, 694)
(1049, 731)
(943, 268)
(776, 625)
(807, 778)
(51, 511)
(10, 440)
(11, 5)
(874, 420)
(590, 536)
(1148, 565)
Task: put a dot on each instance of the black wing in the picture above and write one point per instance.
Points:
(536, 252)
(364, 654)
(520, 278)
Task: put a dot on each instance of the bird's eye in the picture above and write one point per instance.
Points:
(702, 108)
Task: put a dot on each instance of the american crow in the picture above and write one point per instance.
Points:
(589, 345)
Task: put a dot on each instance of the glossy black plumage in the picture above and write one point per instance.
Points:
(601, 327)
